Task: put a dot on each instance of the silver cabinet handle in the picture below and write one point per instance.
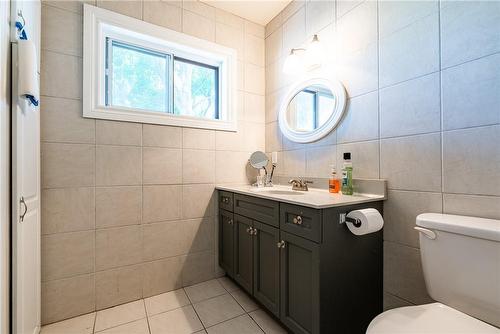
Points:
(249, 230)
(230, 222)
(23, 203)
(281, 244)
(297, 220)
(254, 231)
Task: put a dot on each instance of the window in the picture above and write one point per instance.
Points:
(135, 71)
(310, 109)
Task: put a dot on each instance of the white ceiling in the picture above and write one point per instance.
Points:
(258, 11)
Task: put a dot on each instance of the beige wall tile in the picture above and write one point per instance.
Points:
(365, 158)
(412, 163)
(273, 137)
(162, 276)
(403, 275)
(274, 24)
(161, 203)
(410, 52)
(161, 136)
(169, 239)
(319, 14)
(294, 31)
(291, 9)
(61, 121)
(118, 206)
(198, 267)
(67, 254)
(67, 83)
(199, 139)
(71, 41)
(162, 165)
(468, 89)
(352, 35)
(274, 46)
(254, 29)
(360, 121)
(412, 107)
(198, 26)
(68, 210)
(67, 298)
(472, 205)
(118, 133)
(75, 6)
(319, 161)
(130, 8)
(233, 167)
(229, 19)
(254, 79)
(255, 108)
(231, 37)
(117, 247)
(391, 301)
(231, 140)
(401, 210)
(163, 14)
(461, 24)
(255, 137)
(344, 6)
(118, 165)
(395, 15)
(67, 165)
(295, 162)
(198, 200)
(254, 50)
(198, 166)
(199, 8)
(118, 286)
(470, 161)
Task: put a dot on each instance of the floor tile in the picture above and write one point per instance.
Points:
(241, 325)
(268, 324)
(218, 309)
(178, 321)
(80, 325)
(166, 302)
(205, 290)
(135, 327)
(228, 283)
(245, 300)
(119, 315)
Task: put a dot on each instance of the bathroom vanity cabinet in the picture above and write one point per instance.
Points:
(301, 264)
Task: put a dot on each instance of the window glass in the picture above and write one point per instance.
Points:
(303, 111)
(137, 78)
(326, 104)
(195, 89)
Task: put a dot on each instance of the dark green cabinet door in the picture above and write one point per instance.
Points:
(299, 284)
(226, 242)
(243, 252)
(266, 266)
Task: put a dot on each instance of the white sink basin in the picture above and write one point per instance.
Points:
(274, 191)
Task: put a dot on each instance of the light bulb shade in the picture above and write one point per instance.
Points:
(293, 64)
(315, 53)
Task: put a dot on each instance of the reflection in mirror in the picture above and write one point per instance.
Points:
(310, 108)
(258, 160)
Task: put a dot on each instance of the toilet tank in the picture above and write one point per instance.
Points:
(461, 263)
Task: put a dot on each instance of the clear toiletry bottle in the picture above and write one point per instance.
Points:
(334, 182)
(347, 175)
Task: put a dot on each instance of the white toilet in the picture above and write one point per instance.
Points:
(461, 264)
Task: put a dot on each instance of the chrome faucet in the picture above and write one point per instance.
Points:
(299, 184)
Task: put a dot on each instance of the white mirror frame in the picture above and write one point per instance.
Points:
(338, 91)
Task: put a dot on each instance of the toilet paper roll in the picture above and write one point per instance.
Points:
(28, 70)
(371, 221)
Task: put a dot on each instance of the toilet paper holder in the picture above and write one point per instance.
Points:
(343, 219)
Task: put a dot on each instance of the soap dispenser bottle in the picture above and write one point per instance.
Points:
(347, 175)
(334, 182)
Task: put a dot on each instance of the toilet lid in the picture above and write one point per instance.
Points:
(426, 319)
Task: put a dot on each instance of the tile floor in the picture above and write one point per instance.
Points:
(214, 307)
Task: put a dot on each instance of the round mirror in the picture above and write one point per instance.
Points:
(258, 160)
(312, 109)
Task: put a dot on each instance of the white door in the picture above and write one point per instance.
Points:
(26, 275)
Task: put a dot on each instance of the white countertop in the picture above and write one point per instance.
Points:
(314, 198)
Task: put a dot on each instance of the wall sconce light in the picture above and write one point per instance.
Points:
(312, 57)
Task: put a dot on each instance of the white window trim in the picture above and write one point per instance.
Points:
(99, 23)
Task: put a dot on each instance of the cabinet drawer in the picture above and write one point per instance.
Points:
(301, 221)
(263, 210)
(226, 200)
